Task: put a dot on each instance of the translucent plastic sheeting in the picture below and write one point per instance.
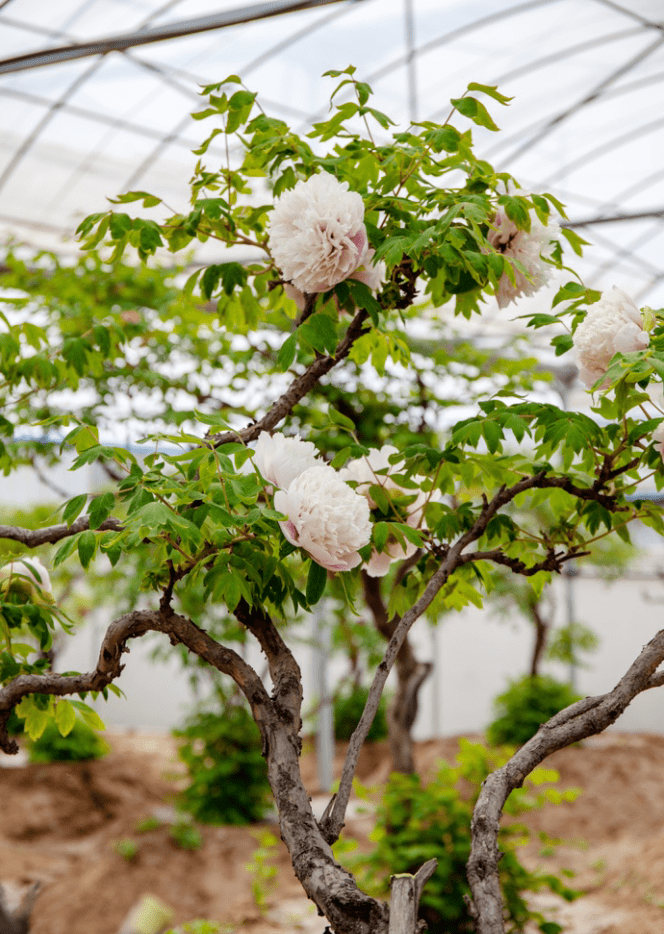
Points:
(586, 121)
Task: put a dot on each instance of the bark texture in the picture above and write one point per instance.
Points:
(587, 717)
(411, 674)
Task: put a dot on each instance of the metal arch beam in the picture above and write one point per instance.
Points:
(402, 60)
(613, 92)
(612, 144)
(552, 58)
(54, 107)
(92, 115)
(45, 120)
(619, 8)
(34, 27)
(456, 33)
(636, 188)
(638, 298)
(628, 250)
(255, 63)
(594, 94)
(616, 218)
(159, 33)
(34, 225)
(612, 247)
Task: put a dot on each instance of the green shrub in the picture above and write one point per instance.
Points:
(415, 823)
(262, 869)
(527, 703)
(227, 773)
(348, 707)
(201, 926)
(185, 835)
(126, 848)
(81, 743)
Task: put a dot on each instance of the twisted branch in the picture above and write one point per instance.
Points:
(109, 665)
(298, 388)
(33, 538)
(332, 821)
(586, 718)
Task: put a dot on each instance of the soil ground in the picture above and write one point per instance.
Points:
(62, 825)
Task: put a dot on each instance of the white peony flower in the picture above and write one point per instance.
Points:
(529, 247)
(325, 517)
(658, 437)
(317, 234)
(280, 459)
(371, 275)
(612, 325)
(375, 469)
(24, 575)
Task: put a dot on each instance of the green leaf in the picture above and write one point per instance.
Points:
(287, 353)
(65, 550)
(562, 343)
(65, 717)
(316, 582)
(381, 533)
(90, 716)
(100, 509)
(239, 108)
(476, 111)
(414, 536)
(493, 435)
(364, 298)
(320, 332)
(341, 420)
(74, 507)
(517, 210)
(119, 225)
(87, 543)
(575, 241)
(340, 458)
(149, 201)
(36, 722)
(491, 90)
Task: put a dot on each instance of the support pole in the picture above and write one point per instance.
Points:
(325, 718)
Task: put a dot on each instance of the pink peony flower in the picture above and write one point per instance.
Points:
(325, 517)
(317, 237)
(374, 469)
(613, 325)
(530, 248)
(372, 275)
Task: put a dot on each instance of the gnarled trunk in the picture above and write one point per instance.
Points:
(411, 674)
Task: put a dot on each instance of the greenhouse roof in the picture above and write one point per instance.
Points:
(97, 95)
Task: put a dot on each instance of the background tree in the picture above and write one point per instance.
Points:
(345, 232)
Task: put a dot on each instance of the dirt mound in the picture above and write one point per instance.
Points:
(209, 882)
(62, 823)
(622, 777)
(70, 800)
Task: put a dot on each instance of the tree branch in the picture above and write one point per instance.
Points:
(33, 538)
(411, 675)
(332, 889)
(298, 388)
(553, 561)
(587, 717)
(333, 819)
(109, 665)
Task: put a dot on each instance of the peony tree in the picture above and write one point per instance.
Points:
(295, 398)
